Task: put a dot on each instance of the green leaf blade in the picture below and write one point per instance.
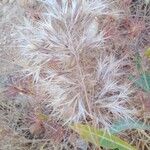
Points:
(142, 82)
(101, 138)
(123, 125)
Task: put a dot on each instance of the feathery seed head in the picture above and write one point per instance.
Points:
(66, 61)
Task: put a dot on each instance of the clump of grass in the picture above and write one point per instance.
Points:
(66, 56)
(74, 59)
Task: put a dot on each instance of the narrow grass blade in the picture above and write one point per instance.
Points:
(142, 82)
(123, 125)
(147, 53)
(101, 138)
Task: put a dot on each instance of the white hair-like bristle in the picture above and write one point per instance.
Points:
(64, 56)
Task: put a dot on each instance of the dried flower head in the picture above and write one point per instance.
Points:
(66, 57)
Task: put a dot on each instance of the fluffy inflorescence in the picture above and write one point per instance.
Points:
(66, 56)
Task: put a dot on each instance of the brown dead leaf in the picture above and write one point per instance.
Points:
(56, 132)
(19, 86)
(37, 129)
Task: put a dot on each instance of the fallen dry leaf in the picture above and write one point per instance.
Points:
(56, 132)
(37, 129)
